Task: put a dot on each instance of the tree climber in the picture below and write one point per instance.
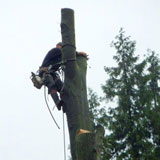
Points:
(48, 72)
(50, 77)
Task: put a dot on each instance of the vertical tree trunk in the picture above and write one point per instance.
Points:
(75, 93)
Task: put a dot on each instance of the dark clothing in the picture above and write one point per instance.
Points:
(53, 57)
(52, 80)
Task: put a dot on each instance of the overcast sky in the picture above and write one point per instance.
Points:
(28, 29)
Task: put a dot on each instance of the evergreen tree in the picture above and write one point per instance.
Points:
(134, 123)
(99, 116)
(126, 124)
(154, 88)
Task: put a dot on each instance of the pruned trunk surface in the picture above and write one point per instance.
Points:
(83, 146)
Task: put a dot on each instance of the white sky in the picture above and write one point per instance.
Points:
(28, 29)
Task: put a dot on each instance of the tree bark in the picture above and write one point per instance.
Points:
(75, 93)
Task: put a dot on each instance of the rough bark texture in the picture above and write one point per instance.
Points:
(83, 146)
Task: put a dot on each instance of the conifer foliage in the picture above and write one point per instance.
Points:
(133, 123)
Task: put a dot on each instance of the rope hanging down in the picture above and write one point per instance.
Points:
(49, 108)
(62, 74)
(64, 139)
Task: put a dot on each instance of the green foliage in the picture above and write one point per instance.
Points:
(98, 114)
(134, 86)
(154, 87)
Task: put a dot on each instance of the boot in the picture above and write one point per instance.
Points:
(57, 101)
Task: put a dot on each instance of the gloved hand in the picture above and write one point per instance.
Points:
(84, 54)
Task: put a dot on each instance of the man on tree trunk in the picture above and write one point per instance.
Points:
(85, 137)
(48, 72)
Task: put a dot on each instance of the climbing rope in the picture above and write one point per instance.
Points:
(64, 138)
(49, 108)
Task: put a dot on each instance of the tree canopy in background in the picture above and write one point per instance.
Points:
(133, 123)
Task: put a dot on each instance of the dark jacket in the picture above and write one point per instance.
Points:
(53, 57)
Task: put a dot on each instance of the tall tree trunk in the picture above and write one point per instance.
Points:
(83, 146)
